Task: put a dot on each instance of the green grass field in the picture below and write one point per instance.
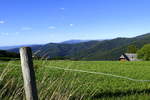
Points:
(59, 84)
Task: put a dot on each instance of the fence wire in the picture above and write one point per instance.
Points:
(100, 73)
(91, 72)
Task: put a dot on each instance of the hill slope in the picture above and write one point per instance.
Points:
(93, 50)
(5, 55)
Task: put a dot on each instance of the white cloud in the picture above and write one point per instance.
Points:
(26, 28)
(71, 25)
(62, 8)
(2, 22)
(51, 27)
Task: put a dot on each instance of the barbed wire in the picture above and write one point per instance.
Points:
(100, 73)
(91, 72)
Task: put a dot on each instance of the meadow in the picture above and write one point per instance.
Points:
(56, 83)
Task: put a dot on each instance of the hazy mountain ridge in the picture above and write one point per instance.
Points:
(37, 47)
(34, 48)
(74, 41)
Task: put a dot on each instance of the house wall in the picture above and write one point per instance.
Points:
(123, 59)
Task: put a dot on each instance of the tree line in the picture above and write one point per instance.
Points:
(143, 53)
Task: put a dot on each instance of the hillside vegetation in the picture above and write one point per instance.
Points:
(93, 50)
(5, 55)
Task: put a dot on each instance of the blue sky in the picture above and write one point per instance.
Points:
(44, 21)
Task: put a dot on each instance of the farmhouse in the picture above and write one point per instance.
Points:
(128, 57)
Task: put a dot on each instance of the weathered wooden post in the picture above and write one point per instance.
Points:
(28, 73)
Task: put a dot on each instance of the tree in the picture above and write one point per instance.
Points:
(144, 52)
(132, 49)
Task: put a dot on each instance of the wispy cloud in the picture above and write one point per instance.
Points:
(16, 33)
(2, 22)
(4, 33)
(51, 27)
(62, 8)
(71, 25)
(26, 28)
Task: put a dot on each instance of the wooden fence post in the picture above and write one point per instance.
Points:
(28, 73)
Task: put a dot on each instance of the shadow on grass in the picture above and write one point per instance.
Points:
(120, 93)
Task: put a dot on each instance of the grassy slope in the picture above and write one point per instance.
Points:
(54, 83)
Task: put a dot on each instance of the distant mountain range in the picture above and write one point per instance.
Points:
(17, 46)
(8, 47)
(36, 47)
(89, 50)
(74, 41)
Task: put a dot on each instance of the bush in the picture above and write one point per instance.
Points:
(144, 52)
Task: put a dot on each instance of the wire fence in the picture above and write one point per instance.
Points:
(91, 72)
